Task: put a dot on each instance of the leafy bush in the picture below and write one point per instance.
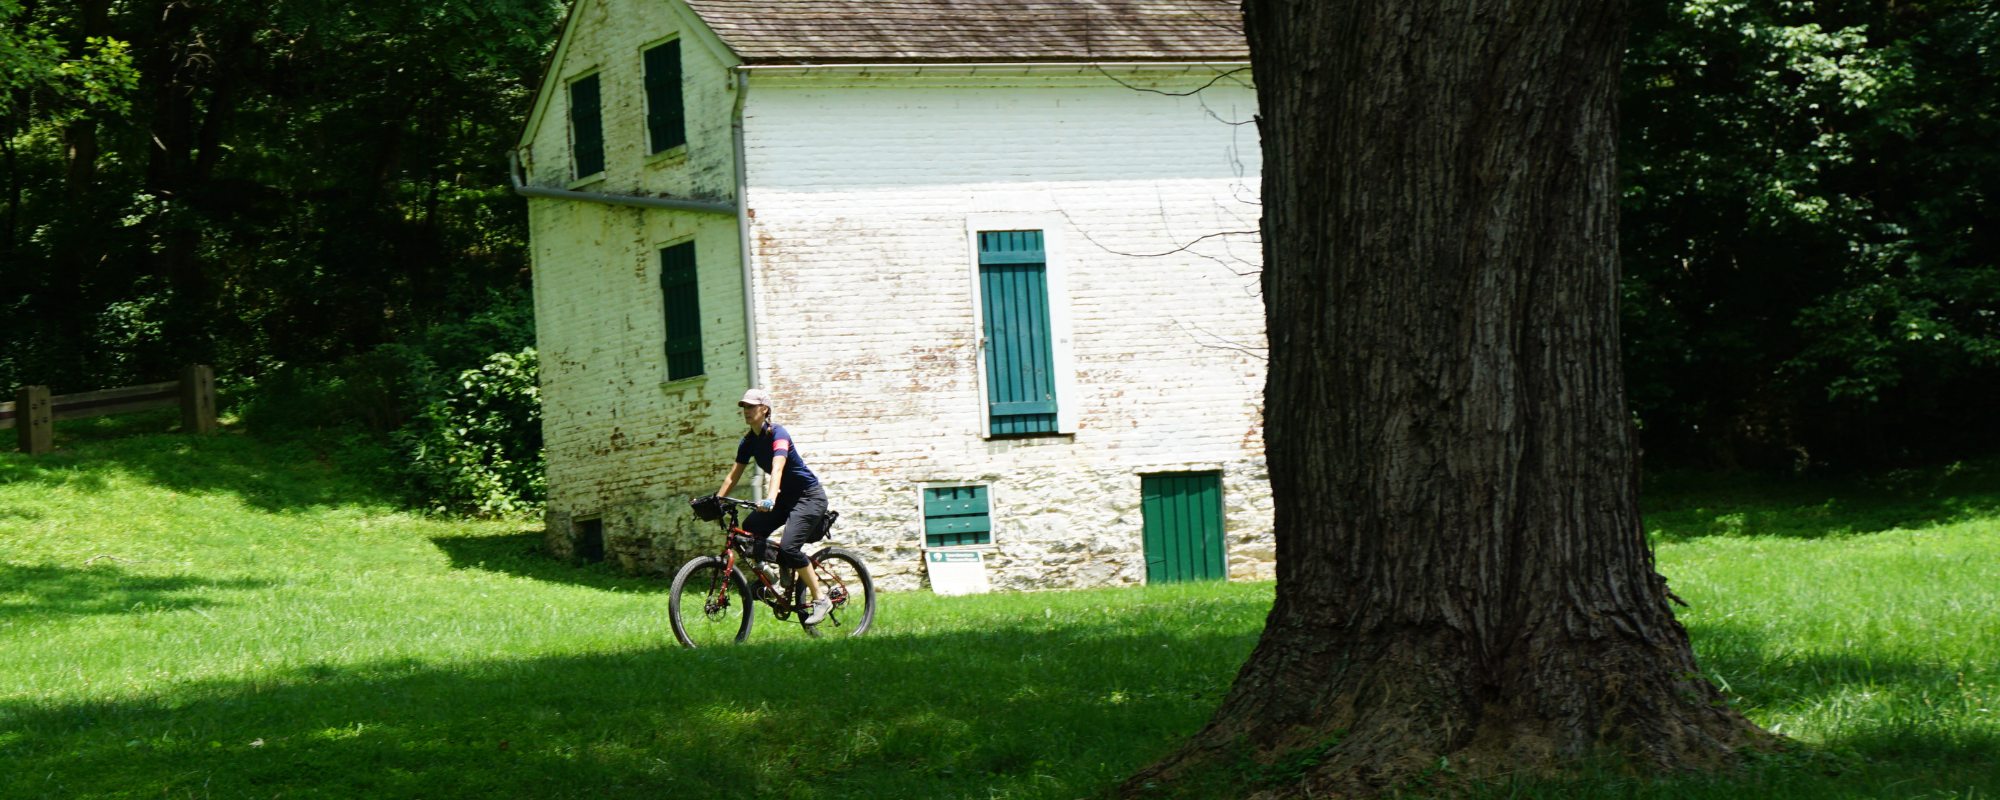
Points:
(478, 447)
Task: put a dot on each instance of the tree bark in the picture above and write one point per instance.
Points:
(1462, 573)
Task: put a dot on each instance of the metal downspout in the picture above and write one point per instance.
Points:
(743, 230)
(641, 201)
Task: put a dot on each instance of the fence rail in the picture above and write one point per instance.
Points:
(34, 411)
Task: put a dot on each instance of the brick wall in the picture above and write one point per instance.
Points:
(865, 192)
(624, 444)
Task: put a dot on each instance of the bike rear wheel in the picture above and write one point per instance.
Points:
(844, 577)
(709, 605)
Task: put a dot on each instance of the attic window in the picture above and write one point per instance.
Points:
(586, 126)
(666, 120)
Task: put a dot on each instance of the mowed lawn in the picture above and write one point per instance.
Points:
(223, 617)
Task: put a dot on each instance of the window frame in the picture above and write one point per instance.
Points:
(666, 329)
(646, 96)
(923, 516)
(1055, 267)
(569, 108)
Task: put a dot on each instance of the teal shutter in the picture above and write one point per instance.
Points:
(666, 121)
(1020, 353)
(1183, 528)
(586, 124)
(957, 515)
(682, 300)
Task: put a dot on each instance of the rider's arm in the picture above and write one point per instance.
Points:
(728, 483)
(777, 469)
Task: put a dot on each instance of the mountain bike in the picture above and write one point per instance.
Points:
(712, 600)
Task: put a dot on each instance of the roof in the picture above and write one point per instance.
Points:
(918, 31)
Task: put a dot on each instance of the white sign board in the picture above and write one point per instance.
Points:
(957, 571)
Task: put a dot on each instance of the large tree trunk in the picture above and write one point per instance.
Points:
(1461, 569)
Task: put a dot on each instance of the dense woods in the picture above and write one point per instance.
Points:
(312, 196)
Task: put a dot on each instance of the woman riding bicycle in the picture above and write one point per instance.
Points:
(795, 499)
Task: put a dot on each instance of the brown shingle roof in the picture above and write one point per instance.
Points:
(874, 31)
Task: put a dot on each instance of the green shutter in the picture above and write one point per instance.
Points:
(1183, 527)
(586, 124)
(1020, 357)
(666, 121)
(956, 515)
(681, 296)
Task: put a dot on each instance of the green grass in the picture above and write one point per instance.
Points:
(222, 617)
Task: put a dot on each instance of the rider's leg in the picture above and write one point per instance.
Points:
(804, 517)
(812, 582)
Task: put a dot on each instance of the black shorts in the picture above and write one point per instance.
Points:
(801, 516)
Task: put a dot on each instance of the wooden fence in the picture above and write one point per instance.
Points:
(34, 412)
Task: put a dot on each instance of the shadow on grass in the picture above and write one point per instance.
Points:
(1016, 712)
(1024, 710)
(523, 554)
(275, 476)
(1903, 748)
(51, 591)
(1681, 506)
(1745, 664)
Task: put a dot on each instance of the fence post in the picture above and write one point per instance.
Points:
(35, 419)
(198, 399)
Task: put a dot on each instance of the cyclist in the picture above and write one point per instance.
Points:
(795, 499)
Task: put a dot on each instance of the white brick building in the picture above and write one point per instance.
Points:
(995, 259)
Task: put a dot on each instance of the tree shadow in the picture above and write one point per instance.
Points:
(1681, 506)
(1906, 740)
(275, 476)
(32, 591)
(1019, 712)
(524, 555)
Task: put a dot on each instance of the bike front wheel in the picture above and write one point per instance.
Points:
(709, 604)
(845, 579)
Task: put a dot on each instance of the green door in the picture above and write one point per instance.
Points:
(1183, 527)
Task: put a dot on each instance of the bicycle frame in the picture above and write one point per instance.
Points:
(737, 540)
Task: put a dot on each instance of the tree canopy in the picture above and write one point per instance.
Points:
(1813, 271)
(312, 196)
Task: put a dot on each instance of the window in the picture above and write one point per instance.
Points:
(956, 515)
(1019, 351)
(680, 294)
(586, 127)
(1183, 528)
(588, 543)
(666, 122)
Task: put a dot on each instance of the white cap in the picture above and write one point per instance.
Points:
(755, 397)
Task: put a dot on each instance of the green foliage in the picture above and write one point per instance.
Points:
(1812, 272)
(39, 75)
(478, 448)
(269, 187)
(309, 195)
(464, 418)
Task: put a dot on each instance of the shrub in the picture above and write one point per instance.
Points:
(477, 448)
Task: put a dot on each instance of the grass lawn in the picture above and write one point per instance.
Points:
(221, 617)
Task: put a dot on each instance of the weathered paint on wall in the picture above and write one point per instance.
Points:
(866, 192)
(624, 444)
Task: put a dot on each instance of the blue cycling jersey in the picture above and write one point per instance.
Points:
(773, 441)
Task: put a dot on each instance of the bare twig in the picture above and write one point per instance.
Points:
(1180, 249)
(1259, 353)
(1115, 79)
